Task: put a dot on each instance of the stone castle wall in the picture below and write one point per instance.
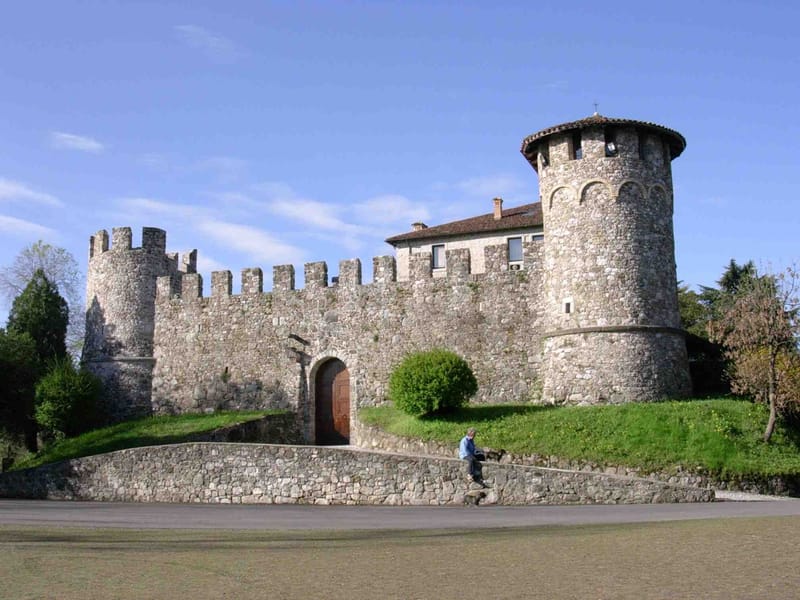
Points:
(273, 474)
(261, 350)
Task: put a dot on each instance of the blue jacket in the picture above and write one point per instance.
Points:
(466, 448)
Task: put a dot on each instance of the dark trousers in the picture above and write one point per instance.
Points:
(474, 468)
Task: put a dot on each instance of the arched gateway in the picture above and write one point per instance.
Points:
(332, 403)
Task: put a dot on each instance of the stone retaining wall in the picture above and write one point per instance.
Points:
(374, 438)
(276, 474)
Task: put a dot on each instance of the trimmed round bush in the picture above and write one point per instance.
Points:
(431, 382)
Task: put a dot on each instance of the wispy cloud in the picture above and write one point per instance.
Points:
(491, 186)
(390, 209)
(254, 242)
(70, 141)
(213, 46)
(20, 227)
(16, 191)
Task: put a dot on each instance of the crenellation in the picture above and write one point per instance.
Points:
(495, 258)
(121, 239)
(191, 285)
(154, 240)
(419, 266)
(98, 243)
(316, 275)
(384, 269)
(189, 262)
(252, 281)
(593, 143)
(221, 284)
(457, 263)
(168, 287)
(283, 278)
(350, 272)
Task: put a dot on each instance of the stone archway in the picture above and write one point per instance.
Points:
(332, 403)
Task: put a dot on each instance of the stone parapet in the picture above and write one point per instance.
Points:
(277, 474)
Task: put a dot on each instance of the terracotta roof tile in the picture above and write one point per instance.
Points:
(677, 142)
(527, 215)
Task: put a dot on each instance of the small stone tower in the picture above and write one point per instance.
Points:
(612, 329)
(120, 313)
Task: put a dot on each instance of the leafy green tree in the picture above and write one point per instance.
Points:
(42, 313)
(67, 400)
(431, 382)
(61, 269)
(19, 369)
(760, 328)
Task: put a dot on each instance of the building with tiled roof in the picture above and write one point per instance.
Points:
(510, 226)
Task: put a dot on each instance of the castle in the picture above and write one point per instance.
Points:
(571, 300)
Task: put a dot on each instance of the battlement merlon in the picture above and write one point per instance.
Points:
(384, 271)
(154, 240)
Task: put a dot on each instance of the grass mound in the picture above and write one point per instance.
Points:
(722, 436)
(149, 431)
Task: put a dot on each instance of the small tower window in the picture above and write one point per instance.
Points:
(577, 149)
(544, 156)
(611, 147)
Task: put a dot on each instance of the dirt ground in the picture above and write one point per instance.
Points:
(721, 558)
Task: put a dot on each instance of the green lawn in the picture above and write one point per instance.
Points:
(720, 435)
(150, 431)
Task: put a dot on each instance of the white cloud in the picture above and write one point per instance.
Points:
(162, 209)
(19, 227)
(215, 47)
(390, 209)
(16, 191)
(257, 244)
(70, 141)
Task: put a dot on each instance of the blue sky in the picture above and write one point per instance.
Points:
(267, 133)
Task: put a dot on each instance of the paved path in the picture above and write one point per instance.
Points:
(296, 517)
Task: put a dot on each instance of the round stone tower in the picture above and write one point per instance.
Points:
(610, 293)
(120, 316)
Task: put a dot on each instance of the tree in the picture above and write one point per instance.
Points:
(706, 361)
(759, 328)
(66, 400)
(19, 369)
(61, 269)
(42, 313)
(431, 382)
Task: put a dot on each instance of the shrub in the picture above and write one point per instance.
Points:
(66, 400)
(431, 382)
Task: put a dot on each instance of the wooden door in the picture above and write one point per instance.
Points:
(332, 403)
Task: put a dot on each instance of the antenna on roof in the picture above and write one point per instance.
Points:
(595, 108)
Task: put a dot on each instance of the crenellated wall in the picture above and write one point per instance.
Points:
(120, 315)
(240, 351)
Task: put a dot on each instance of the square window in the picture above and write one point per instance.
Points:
(515, 249)
(437, 256)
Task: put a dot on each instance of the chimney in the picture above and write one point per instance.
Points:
(498, 209)
(418, 226)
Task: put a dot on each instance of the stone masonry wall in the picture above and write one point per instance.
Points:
(612, 323)
(270, 474)
(374, 438)
(262, 350)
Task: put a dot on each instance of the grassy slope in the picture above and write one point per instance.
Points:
(723, 435)
(150, 431)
